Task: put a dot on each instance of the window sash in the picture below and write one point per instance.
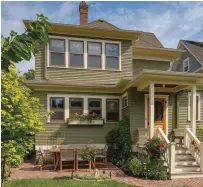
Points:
(57, 52)
(95, 108)
(124, 102)
(186, 65)
(116, 112)
(77, 108)
(62, 110)
(111, 44)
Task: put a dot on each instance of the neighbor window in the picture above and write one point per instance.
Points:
(124, 102)
(57, 52)
(186, 65)
(112, 56)
(57, 106)
(94, 54)
(94, 106)
(76, 53)
(76, 106)
(197, 107)
(112, 110)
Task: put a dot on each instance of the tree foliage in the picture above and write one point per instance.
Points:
(30, 75)
(20, 115)
(16, 48)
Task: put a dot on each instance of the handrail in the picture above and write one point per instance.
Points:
(194, 146)
(161, 134)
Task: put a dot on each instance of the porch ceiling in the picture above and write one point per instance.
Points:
(176, 80)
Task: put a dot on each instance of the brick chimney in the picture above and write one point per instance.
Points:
(83, 8)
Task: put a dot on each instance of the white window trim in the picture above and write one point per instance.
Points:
(187, 60)
(199, 106)
(125, 95)
(85, 103)
(103, 63)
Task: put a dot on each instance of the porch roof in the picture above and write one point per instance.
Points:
(176, 81)
(179, 80)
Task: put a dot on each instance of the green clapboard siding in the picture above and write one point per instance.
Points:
(72, 134)
(137, 112)
(139, 65)
(87, 75)
(39, 62)
(183, 112)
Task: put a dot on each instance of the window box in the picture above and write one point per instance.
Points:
(93, 122)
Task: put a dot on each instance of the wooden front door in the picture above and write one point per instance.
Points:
(159, 113)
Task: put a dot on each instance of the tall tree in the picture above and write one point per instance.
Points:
(16, 48)
(30, 75)
(20, 112)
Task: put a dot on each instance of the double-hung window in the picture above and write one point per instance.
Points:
(197, 107)
(112, 110)
(186, 65)
(94, 54)
(76, 54)
(112, 56)
(94, 106)
(76, 106)
(57, 106)
(57, 52)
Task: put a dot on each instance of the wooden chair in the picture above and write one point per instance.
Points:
(80, 159)
(44, 156)
(101, 156)
(67, 155)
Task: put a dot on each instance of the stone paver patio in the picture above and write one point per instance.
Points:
(28, 170)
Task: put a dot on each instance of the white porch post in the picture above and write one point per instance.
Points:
(151, 106)
(193, 108)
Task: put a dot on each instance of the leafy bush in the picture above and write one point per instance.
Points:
(135, 166)
(119, 142)
(155, 148)
(89, 152)
(155, 172)
(84, 117)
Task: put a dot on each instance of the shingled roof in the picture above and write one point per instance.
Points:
(146, 39)
(195, 48)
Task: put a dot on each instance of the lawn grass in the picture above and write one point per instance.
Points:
(63, 182)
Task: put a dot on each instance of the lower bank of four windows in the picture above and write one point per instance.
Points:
(77, 106)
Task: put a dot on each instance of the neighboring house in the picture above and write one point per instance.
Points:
(98, 67)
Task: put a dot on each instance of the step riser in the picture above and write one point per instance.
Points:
(187, 169)
(186, 163)
(184, 157)
(186, 176)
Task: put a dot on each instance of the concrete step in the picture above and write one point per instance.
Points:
(185, 175)
(179, 169)
(183, 157)
(186, 163)
(181, 151)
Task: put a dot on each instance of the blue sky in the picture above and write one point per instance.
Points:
(170, 21)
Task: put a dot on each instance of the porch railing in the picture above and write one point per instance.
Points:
(194, 146)
(170, 150)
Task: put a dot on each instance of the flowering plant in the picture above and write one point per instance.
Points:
(155, 148)
(193, 143)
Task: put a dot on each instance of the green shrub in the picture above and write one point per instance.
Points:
(119, 142)
(155, 172)
(135, 166)
(89, 152)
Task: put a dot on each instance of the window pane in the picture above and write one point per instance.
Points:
(112, 49)
(76, 47)
(76, 102)
(94, 61)
(94, 48)
(57, 45)
(57, 103)
(112, 110)
(158, 112)
(124, 102)
(76, 60)
(57, 59)
(95, 103)
(112, 63)
(58, 115)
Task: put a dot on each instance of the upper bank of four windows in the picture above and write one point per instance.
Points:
(84, 54)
